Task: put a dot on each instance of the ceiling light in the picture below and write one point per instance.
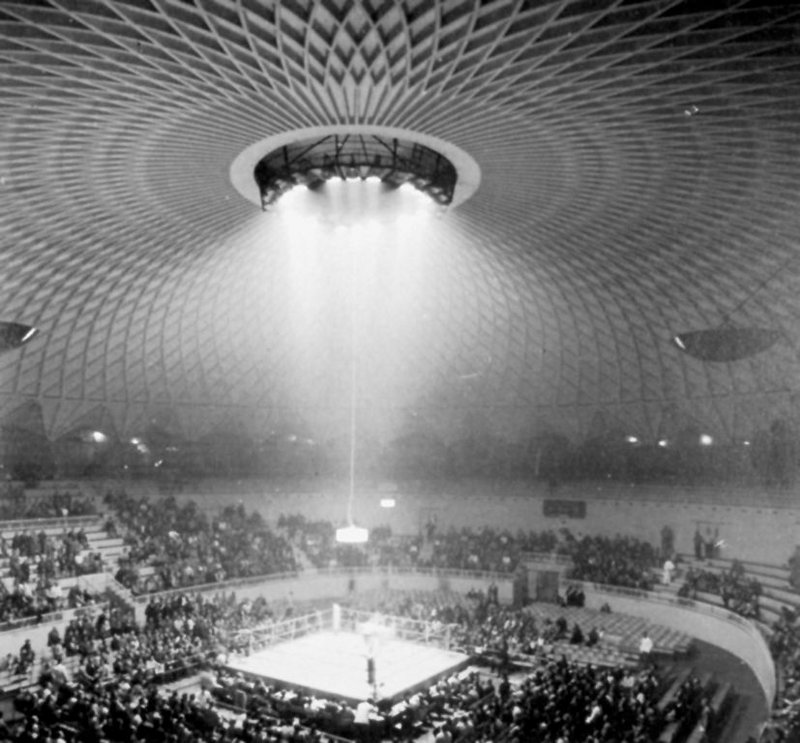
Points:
(726, 343)
(730, 342)
(352, 534)
(14, 334)
(388, 503)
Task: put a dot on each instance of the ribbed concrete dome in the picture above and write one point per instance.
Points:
(638, 177)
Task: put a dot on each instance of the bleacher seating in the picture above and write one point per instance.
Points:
(777, 592)
(627, 628)
(110, 548)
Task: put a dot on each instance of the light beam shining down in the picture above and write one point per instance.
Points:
(355, 249)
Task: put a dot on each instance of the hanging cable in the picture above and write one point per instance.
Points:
(353, 383)
(351, 533)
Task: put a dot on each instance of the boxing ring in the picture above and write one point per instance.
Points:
(347, 654)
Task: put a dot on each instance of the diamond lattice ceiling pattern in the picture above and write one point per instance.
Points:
(639, 176)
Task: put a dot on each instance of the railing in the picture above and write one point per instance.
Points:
(64, 615)
(415, 630)
(270, 633)
(551, 557)
(143, 598)
(478, 575)
(354, 620)
(65, 522)
(705, 606)
(13, 624)
(482, 575)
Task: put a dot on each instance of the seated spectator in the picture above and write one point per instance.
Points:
(185, 547)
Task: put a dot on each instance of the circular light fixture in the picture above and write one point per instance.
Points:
(352, 534)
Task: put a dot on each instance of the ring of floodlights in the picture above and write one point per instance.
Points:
(254, 169)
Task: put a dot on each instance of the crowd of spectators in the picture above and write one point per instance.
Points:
(49, 556)
(621, 561)
(479, 625)
(560, 700)
(618, 561)
(784, 644)
(101, 681)
(186, 547)
(35, 562)
(738, 591)
(316, 539)
(17, 505)
(483, 549)
(32, 600)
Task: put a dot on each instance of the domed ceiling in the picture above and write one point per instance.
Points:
(638, 176)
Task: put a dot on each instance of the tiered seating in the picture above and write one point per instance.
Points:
(109, 548)
(776, 589)
(11, 681)
(628, 629)
(596, 655)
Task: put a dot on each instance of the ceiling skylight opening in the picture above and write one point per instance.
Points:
(366, 159)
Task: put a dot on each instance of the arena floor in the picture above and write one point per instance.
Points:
(334, 664)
